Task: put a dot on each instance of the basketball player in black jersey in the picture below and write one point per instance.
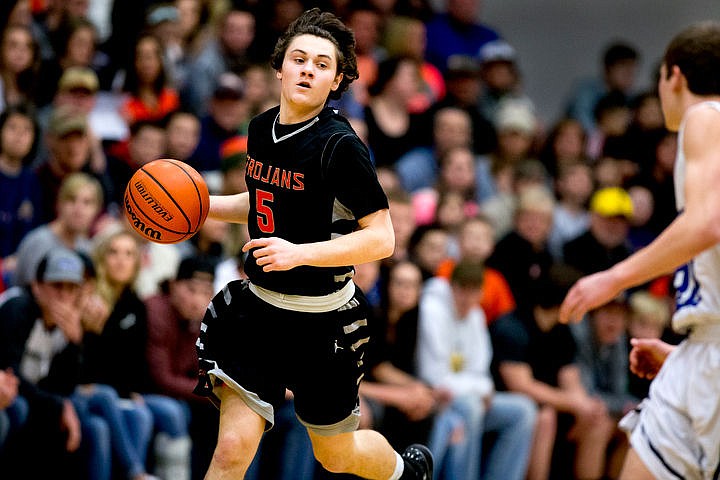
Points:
(314, 207)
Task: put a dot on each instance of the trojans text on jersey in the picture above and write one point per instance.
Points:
(274, 175)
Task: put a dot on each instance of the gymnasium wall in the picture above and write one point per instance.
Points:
(559, 40)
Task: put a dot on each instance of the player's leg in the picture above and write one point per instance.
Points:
(240, 432)
(328, 349)
(634, 468)
(367, 454)
(238, 373)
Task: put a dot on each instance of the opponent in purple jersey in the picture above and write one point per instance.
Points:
(676, 431)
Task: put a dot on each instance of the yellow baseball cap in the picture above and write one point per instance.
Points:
(612, 202)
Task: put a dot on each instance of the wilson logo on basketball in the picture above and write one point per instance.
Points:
(139, 225)
(152, 203)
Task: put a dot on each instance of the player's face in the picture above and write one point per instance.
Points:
(308, 73)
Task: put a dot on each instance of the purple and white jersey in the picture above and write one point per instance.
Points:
(697, 282)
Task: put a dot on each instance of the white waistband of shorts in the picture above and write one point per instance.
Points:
(707, 331)
(303, 303)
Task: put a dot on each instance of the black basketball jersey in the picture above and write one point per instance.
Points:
(310, 185)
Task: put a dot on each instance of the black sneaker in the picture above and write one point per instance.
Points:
(419, 461)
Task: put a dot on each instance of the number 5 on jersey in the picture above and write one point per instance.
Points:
(265, 219)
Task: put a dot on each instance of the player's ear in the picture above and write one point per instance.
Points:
(677, 76)
(278, 74)
(336, 82)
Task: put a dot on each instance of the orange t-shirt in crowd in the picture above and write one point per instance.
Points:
(496, 298)
(134, 109)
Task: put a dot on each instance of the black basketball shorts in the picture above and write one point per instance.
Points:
(259, 350)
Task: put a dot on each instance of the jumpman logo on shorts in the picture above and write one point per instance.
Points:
(338, 347)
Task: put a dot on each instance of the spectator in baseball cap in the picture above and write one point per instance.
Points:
(605, 243)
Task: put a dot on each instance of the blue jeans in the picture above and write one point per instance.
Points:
(4, 427)
(458, 459)
(138, 419)
(169, 415)
(511, 417)
(13, 418)
(102, 401)
(95, 450)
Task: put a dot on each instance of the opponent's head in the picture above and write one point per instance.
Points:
(696, 52)
(328, 26)
(690, 66)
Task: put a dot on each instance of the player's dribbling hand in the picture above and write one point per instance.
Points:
(647, 356)
(274, 254)
(588, 293)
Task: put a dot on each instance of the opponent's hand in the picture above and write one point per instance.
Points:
(588, 293)
(647, 356)
(274, 254)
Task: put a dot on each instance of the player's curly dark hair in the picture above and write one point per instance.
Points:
(325, 25)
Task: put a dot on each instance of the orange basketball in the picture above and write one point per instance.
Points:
(166, 201)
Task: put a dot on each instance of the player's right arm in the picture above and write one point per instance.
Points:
(230, 208)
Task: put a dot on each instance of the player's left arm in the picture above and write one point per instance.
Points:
(374, 240)
(695, 229)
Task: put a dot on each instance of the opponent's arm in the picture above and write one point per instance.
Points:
(696, 229)
(374, 240)
(230, 208)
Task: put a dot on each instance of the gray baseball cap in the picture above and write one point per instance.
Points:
(61, 265)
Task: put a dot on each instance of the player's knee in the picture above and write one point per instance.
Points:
(232, 451)
(332, 459)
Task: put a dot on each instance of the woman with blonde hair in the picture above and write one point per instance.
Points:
(79, 201)
(115, 354)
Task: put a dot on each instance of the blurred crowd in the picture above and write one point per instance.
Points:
(496, 212)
